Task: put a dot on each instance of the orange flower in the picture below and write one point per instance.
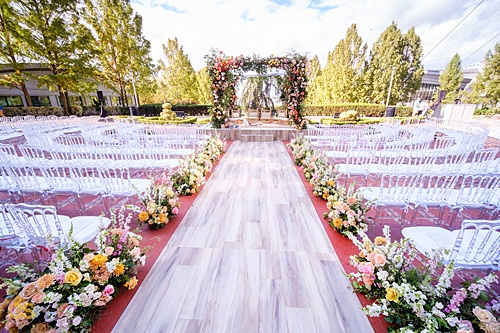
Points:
(119, 269)
(98, 261)
(379, 240)
(163, 218)
(44, 281)
(143, 216)
(131, 283)
(337, 223)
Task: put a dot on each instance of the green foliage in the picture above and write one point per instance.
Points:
(160, 121)
(451, 78)
(11, 49)
(364, 109)
(54, 35)
(401, 52)
(336, 121)
(203, 83)
(342, 79)
(123, 51)
(487, 86)
(178, 79)
(486, 111)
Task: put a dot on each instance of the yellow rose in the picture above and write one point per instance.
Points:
(170, 193)
(337, 223)
(143, 216)
(483, 315)
(131, 283)
(380, 241)
(392, 295)
(40, 328)
(73, 277)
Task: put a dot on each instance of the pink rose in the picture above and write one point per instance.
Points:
(367, 280)
(351, 200)
(108, 290)
(109, 250)
(366, 268)
(344, 207)
(38, 297)
(175, 210)
(379, 260)
(135, 252)
(350, 212)
(172, 202)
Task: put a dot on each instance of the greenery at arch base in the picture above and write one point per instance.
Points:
(225, 73)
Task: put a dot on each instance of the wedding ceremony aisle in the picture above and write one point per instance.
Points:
(250, 255)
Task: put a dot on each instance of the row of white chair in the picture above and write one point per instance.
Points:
(25, 227)
(456, 191)
(47, 182)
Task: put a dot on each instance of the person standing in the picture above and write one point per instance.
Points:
(424, 106)
(416, 107)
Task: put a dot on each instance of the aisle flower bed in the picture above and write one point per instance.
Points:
(420, 299)
(68, 295)
(413, 299)
(190, 175)
(159, 203)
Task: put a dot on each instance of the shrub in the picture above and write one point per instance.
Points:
(363, 109)
(349, 115)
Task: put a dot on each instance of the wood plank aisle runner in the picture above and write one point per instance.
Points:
(250, 255)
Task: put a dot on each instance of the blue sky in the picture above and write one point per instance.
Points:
(266, 27)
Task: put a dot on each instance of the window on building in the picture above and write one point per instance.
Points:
(40, 100)
(11, 101)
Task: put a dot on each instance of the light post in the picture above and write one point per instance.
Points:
(390, 86)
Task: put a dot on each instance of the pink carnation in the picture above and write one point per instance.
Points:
(175, 210)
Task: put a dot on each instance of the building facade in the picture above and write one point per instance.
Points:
(42, 96)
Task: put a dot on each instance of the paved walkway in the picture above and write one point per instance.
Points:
(251, 255)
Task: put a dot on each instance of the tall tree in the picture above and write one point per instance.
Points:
(393, 50)
(451, 78)
(346, 67)
(11, 49)
(487, 86)
(123, 57)
(57, 39)
(177, 74)
(314, 86)
(203, 82)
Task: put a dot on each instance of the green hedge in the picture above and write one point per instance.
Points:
(335, 121)
(158, 120)
(12, 111)
(366, 109)
(190, 110)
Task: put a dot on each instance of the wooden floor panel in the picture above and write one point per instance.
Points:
(250, 255)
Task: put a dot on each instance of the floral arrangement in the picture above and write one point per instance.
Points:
(159, 203)
(190, 174)
(301, 148)
(419, 299)
(294, 86)
(324, 181)
(225, 73)
(78, 282)
(347, 211)
(224, 82)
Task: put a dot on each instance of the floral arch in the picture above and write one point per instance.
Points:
(225, 73)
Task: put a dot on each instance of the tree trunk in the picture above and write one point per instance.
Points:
(27, 96)
(67, 101)
(63, 101)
